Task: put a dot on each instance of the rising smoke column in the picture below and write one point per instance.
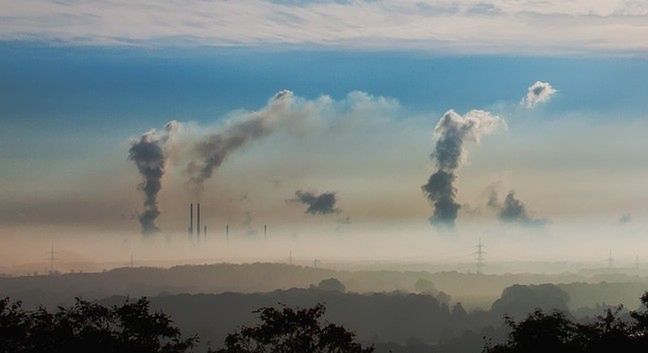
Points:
(452, 131)
(150, 155)
(441, 192)
(212, 150)
(512, 210)
(321, 204)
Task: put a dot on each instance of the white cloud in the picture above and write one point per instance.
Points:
(538, 92)
(463, 26)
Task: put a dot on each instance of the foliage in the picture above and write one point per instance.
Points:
(331, 284)
(89, 327)
(555, 332)
(288, 330)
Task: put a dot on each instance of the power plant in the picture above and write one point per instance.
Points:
(196, 227)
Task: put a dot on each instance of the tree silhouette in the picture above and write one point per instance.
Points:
(89, 327)
(555, 332)
(288, 330)
(331, 284)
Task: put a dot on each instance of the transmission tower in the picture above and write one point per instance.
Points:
(479, 256)
(52, 258)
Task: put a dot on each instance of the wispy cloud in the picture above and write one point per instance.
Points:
(538, 92)
(468, 26)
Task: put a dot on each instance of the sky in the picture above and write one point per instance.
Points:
(337, 98)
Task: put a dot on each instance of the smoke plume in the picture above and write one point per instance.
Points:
(452, 131)
(625, 218)
(441, 192)
(538, 92)
(212, 150)
(150, 156)
(321, 204)
(513, 210)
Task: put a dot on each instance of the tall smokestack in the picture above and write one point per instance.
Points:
(198, 220)
(265, 231)
(205, 233)
(190, 231)
(227, 233)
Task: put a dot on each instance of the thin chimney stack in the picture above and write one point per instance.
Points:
(198, 220)
(190, 230)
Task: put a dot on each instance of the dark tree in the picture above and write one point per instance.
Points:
(539, 332)
(331, 284)
(640, 328)
(555, 332)
(89, 327)
(608, 333)
(290, 330)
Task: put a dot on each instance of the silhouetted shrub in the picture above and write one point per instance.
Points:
(331, 284)
(293, 331)
(555, 332)
(89, 327)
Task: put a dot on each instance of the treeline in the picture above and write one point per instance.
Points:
(471, 289)
(89, 327)
(132, 327)
(387, 319)
(379, 317)
(555, 332)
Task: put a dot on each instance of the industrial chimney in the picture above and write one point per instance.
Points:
(198, 221)
(190, 230)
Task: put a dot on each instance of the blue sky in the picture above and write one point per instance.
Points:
(91, 85)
